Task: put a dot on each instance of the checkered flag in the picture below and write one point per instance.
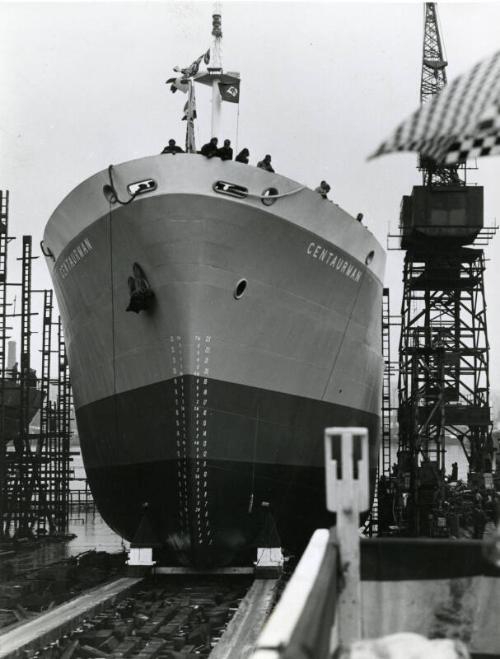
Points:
(485, 142)
(462, 121)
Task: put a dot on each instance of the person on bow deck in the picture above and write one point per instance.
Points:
(266, 164)
(225, 152)
(243, 156)
(209, 150)
(323, 189)
(172, 148)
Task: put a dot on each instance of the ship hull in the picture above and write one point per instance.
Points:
(211, 507)
(210, 406)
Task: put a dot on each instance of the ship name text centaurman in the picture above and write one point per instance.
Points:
(333, 260)
(74, 257)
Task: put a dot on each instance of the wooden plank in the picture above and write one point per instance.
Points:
(242, 632)
(49, 626)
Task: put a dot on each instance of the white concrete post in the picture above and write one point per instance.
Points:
(347, 494)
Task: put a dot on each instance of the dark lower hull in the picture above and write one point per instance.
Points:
(238, 523)
(205, 492)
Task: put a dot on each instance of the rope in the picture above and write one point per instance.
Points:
(237, 128)
(250, 194)
(277, 196)
(115, 193)
(113, 341)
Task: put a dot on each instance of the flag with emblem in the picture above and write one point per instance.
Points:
(461, 122)
(230, 92)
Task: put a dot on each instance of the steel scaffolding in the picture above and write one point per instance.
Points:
(377, 516)
(4, 240)
(443, 365)
(63, 425)
(34, 466)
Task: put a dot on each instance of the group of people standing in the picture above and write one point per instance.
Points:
(212, 150)
(225, 152)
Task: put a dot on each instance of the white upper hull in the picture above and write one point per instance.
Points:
(308, 324)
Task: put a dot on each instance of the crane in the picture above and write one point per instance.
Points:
(443, 387)
(433, 79)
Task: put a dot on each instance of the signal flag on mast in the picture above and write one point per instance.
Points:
(178, 84)
(190, 106)
(181, 82)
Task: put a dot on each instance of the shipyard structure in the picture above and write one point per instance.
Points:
(35, 403)
(443, 388)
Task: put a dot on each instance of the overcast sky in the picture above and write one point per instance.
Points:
(83, 86)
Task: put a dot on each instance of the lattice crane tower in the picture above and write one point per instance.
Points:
(444, 351)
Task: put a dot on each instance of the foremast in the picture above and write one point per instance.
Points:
(216, 71)
(215, 76)
(225, 85)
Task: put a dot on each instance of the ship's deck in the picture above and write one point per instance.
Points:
(193, 174)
